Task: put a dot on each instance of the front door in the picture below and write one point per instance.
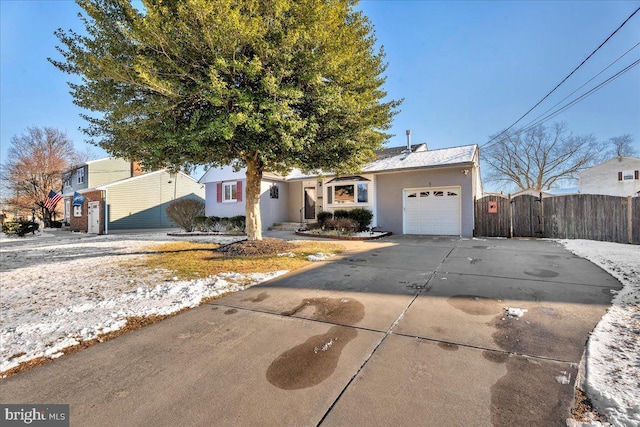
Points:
(93, 217)
(309, 203)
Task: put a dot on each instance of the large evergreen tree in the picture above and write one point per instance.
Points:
(266, 84)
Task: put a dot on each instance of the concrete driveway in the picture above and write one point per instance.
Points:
(405, 331)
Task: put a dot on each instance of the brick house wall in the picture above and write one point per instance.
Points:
(81, 223)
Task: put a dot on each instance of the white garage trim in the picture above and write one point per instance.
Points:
(432, 210)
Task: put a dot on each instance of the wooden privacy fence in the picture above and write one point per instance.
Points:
(574, 216)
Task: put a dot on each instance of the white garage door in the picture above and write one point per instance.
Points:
(432, 211)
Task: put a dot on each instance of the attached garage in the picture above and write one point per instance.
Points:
(432, 210)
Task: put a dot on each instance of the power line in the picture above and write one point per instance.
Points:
(583, 85)
(581, 97)
(565, 79)
(573, 102)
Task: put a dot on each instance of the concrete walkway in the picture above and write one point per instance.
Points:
(403, 331)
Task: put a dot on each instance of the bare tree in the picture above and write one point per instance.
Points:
(540, 157)
(35, 164)
(622, 146)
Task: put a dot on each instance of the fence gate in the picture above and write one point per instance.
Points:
(526, 216)
(492, 216)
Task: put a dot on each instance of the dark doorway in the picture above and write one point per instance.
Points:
(309, 203)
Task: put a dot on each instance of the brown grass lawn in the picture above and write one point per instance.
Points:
(189, 260)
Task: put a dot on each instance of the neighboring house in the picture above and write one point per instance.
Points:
(416, 191)
(619, 176)
(92, 174)
(138, 200)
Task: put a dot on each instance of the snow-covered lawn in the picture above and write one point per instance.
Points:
(612, 369)
(55, 293)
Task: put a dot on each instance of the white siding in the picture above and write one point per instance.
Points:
(603, 178)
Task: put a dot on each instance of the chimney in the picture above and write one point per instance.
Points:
(408, 141)
(135, 169)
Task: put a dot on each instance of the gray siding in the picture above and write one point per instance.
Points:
(141, 202)
(273, 210)
(389, 195)
(224, 209)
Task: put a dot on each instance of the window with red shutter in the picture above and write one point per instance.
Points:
(219, 192)
(619, 176)
(239, 190)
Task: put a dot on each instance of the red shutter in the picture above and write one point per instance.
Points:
(619, 176)
(239, 191)
(636, 174)
(219, 192)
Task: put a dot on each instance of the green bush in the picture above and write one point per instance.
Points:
(20, 227)
(238, 222)
(56, 224)
(322, 217)
(340, 213)
(10, 227)
(200, 223)
(362, 216)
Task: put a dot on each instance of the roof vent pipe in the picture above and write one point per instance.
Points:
(408, 141)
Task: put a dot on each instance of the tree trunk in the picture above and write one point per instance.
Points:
(252, 203)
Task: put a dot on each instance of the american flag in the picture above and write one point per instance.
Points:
(52, 200)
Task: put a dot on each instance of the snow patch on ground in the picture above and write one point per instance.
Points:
(612, 374)
(514, 312)
(319, 257)
(58, 294)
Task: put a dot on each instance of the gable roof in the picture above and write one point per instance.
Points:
(418, 159)
(424, 159)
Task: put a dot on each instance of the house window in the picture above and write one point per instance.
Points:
(274, 192)
(363, 193)
(80, 174)
(77, 210)
(627, 175)
(424, 194)
(348, 191)
(230, 192)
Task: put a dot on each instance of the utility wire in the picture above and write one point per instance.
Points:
(583, 85)
(581, 97)
(565, 79)
(573, 102)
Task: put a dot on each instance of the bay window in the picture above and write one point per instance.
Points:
(351, 190)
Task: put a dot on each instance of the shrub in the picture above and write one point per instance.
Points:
(343, 225)
(10, 227)
(20, 227)
(341, 213)
(238, 222)
(211, 223)
(184, 211)
(200, 223)
(346, 225)
(56, 224)
(322, 217)
(362, 216)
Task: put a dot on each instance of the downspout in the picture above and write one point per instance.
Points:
(106, 213)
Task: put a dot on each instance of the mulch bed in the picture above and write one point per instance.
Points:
(339, 237)
(256, 247)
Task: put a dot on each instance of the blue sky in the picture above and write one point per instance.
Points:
(465, 69)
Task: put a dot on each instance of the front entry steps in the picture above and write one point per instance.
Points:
(285, 226)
